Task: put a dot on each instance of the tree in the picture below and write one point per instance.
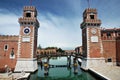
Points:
(39, 47)
(60, 50)
(51, 48)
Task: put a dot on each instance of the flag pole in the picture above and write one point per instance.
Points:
(88, 3)
(30, 2)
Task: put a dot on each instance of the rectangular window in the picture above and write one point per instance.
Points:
(109, 60)
(5, 47)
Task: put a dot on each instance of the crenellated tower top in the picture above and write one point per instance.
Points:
(29, 11)
(32, 8)
(29, 17)
(90, 18)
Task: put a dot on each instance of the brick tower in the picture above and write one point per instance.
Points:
(27, 43)
(91, 37)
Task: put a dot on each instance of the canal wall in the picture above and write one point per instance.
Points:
(88, 63)
(26, 65)
(97, 75)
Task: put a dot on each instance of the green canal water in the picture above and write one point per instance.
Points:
(61, 73)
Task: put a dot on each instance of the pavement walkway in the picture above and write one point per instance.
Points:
(21, 76)
(109, 72)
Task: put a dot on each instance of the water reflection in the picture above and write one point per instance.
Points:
(61, 73)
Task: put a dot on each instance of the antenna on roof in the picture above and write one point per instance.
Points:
(30, 2)
(88, 1)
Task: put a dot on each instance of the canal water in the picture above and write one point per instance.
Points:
(60, 73)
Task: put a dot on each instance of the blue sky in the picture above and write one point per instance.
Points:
(59, 19)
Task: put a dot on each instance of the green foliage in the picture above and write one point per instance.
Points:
(60, 50)
(39, 47)
(51, 48)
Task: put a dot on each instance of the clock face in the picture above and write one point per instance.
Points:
(26, 30)
(93, 31)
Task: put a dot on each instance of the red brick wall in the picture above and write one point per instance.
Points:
(84, 42)
(109, 43)
(12, 42)
(118, 51)
(26, 47)
(109, 49)
(95, 47)
(35, 42)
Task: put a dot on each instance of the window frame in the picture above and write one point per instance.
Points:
(6, 45)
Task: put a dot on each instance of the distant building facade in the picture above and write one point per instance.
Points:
(46, 51)
(78, 50)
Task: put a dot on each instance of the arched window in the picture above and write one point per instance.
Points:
(28, 14)
(5, 47)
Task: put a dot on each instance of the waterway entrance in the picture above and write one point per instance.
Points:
(61, 72)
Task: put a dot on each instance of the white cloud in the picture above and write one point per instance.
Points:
(59, 31)
(54, 30)
(9, 24)
(110, 23)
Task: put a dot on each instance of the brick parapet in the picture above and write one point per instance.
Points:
(8, 37)
(27, 19)
(32, 8)
(110, 34)
(89, 10)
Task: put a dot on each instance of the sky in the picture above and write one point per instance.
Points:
(59, 19)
